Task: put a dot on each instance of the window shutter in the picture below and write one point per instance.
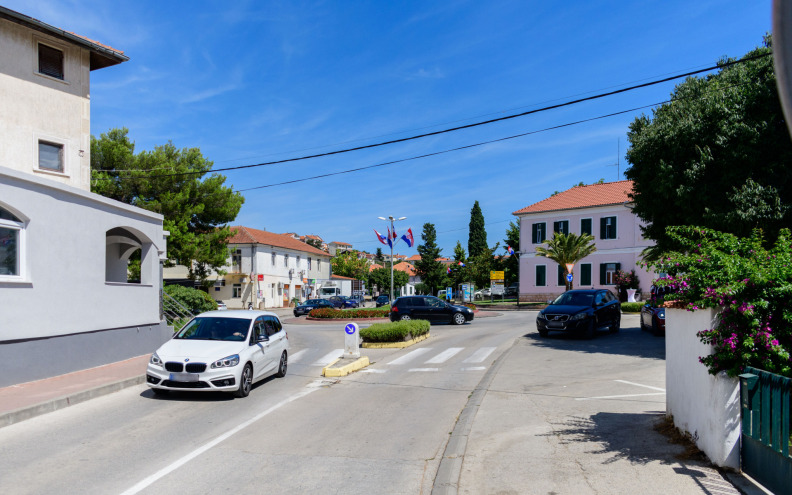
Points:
(603, 228)
(50, 61)
(585, 275)
(556, 226)
(540, 276)
(618, 266)
(585, 226)
(561, 278)
(613, 229)
(603, 269)
(534, 235)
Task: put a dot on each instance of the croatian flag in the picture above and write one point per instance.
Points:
(408, 238)
(390, 238)
(461, 264)
(380, 237)
(509, 250)
(449, 270)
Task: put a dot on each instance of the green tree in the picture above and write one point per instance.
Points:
(477, 236)
(511, 264)
(716, 156)
(565, 249)
(458, 273)
(430, 270)
(347, 264)
(378, 258)
(480, 266)
(195, 204)
(381, 278)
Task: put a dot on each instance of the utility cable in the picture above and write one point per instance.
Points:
(453, 129)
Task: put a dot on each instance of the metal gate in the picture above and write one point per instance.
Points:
(764, 446)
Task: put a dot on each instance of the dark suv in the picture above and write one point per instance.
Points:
(383, 301)
(429, 308)
(582, 312)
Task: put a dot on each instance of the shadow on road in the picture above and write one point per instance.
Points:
(627, 342)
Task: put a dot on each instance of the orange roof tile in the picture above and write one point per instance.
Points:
(339, 277)
(374, 266)
(339, 243)
(415, 257)
(246, 235)
(609, 193)
(405, 267)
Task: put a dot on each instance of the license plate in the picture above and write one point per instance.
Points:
(555, 324)
(183, 377)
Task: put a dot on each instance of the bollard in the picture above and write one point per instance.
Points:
(351, 340)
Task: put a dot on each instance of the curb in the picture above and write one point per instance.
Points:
(21, 414)
(394, 345)
(360, 363)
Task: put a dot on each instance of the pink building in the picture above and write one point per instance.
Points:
(601, 210)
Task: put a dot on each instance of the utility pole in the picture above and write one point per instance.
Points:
(391, 242)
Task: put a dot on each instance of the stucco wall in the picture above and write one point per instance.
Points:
(64, 290)
(35, 106)
(706, 406)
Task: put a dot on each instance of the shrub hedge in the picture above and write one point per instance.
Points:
(628, 307)
(397, 331)
(331, 313)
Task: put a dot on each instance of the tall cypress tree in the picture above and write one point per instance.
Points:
(477, 236)
(428, 268)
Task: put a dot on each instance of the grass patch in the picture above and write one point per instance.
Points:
(397, 331)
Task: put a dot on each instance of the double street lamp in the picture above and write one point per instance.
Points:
(391, 242)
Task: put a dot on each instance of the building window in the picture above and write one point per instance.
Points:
(12, 232)
(237, 291)
(273, 258)
(298, 262)
(541, 275)
(561, 226)
(236, 260)
(538, 233)
(561, 276)
(50, 156)
(608, 273)
(608, 228)
(319, 264)
(286, 260)
(585, 274)
(309, 262)
(585, 226)
(50, 61)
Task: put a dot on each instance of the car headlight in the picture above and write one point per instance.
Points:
(579, 316)
(155, 360)
(540, 316)
(661, 314)
(226, 362)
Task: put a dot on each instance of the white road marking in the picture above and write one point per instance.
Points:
(445, 355)
(619, 396)
(413, 370)
(294, 358)
(200, 450)
(329, 357)
(639, 385)
(373, 371)
(475, 368)
(480, 355)
(410, 356)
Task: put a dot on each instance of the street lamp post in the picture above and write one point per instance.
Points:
(391, 242)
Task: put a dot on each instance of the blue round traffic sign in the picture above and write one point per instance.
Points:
(350, 328)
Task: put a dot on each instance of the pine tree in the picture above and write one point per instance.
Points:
(428, 268)
(477, 236)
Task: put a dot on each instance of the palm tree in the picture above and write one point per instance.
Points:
(567, 248)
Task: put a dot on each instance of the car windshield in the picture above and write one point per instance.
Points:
(574, 299)
(313, 301)
(382, 298)
(209, 328)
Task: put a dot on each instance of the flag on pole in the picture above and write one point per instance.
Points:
(461, 264)
(380, 237)
(390, 239)
(509, 250)
(449, 270)
(408, 238)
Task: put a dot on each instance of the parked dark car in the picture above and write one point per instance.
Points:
(582, 312)
(429, 308)
(653, 312)
(343, 302)
(308, 305)
(512, 290)
(383, 301)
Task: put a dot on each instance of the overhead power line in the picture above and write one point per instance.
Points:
(451, 129)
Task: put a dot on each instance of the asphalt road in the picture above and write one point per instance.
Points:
(382, 430)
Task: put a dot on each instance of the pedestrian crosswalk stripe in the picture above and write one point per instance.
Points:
(480, 355)
(423, 369)
(475, 368)
(294, 358)
(445, 355)
(410, 356)
(329, 357)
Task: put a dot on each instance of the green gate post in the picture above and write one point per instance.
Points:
(748, 396)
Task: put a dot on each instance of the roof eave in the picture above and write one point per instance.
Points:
(518, 213)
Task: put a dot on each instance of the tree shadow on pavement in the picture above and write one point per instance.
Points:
(628, 342)
(634, 437)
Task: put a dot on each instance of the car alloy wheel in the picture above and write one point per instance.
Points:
(405, 317)
(591, 330)
(616, 325)
(459, 318)
(245, 382)
(282, 366)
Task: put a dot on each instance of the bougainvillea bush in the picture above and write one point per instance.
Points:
(748, 282)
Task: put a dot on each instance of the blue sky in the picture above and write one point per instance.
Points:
(248, 82)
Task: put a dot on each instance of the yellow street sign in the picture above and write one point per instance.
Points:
(496, 275)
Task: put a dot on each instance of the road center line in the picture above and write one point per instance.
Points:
(200, 450)
(619, 396)
(639, 385)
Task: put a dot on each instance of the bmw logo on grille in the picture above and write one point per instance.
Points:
(186, 360)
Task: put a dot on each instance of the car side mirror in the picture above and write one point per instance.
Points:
(263, 338)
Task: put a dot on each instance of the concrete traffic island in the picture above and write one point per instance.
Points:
(344, 366)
